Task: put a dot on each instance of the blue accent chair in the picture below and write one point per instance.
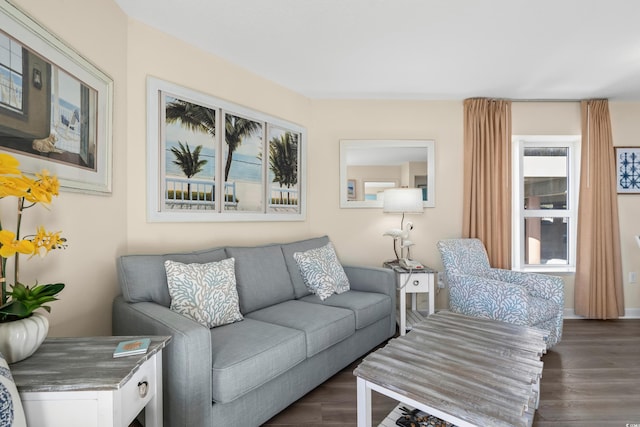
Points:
(476, 289)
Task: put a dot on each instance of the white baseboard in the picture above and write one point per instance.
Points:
(629, 313)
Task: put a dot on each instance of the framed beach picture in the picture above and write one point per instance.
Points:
(211, 160)
(55, 106)
(628, 170)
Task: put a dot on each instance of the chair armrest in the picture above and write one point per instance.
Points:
(538, 285)
(186, 366)
(482, 297)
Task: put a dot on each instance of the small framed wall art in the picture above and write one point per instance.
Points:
(628, 170)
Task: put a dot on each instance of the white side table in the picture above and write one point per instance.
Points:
(413, 282)
(77, 382)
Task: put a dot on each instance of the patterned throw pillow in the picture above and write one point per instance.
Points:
(11, 411)
(205, 293)
(322, 272)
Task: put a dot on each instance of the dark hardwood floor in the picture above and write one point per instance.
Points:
(592, 378)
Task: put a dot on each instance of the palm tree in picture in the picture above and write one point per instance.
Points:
(193, 117)
(236, 129)
(283, 161)
(188, 161)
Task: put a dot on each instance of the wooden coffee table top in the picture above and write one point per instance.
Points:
(478, 371)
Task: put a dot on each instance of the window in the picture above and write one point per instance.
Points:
(10, 73)
(211, 160)
(546, 175)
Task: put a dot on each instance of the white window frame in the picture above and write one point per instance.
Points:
(520, 142)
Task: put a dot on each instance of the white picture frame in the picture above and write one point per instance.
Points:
(166, 201)
(57, 71)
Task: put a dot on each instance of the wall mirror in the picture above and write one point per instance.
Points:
(368, 167)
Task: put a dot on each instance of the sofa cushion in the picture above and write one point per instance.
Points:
(248, 354)
(262, 277)
(205, 293)
(289, 249)
(368, 307)
(143, 277)
(323, 325)
(322, 272)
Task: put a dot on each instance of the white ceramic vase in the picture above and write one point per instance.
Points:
(19, 339)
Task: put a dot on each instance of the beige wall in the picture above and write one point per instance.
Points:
(626, 133)
(100, 228)
(153, 53)
(357, 233)
(94, 225)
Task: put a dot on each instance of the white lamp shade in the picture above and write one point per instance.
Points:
(403, 200)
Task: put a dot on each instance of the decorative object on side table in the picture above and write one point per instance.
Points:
(21, 329)
(402, 200)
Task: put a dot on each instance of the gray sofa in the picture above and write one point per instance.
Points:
(289, 342)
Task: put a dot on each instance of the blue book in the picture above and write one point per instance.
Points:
(129, 348)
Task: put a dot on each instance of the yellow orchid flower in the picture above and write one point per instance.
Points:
(43, 188)
(48, 182)
(9, 245)
(47, 241)
(25, 189)
(9, 165)
(17, 186)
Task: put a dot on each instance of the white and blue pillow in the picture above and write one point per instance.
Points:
(11, 411)
(322, 272)
(205, 293)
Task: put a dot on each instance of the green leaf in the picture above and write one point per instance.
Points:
(25, 300)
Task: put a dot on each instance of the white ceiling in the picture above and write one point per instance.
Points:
(418, 49)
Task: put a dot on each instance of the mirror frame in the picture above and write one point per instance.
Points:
(346, 144)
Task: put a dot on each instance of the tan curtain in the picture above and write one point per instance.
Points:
(598, 286)
(487, 176)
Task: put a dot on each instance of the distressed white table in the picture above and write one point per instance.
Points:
(465, 370)
(77, 382)
(413, 282)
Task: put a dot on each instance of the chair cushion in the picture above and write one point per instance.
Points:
(323, 325)
(248, 354)
(261, 276)
(205, 293)
(11, 411)
(541, 309)
(289, 249)
(464, 256)
(368, 307)
(322, 272)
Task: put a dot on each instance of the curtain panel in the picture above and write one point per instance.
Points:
(487, 176)
(598, 282)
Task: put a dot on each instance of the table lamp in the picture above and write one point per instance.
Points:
(404, 201)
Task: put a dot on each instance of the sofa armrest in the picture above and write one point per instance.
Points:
(483, 297)
(375, 279)
(371, 279)
(186, 359)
